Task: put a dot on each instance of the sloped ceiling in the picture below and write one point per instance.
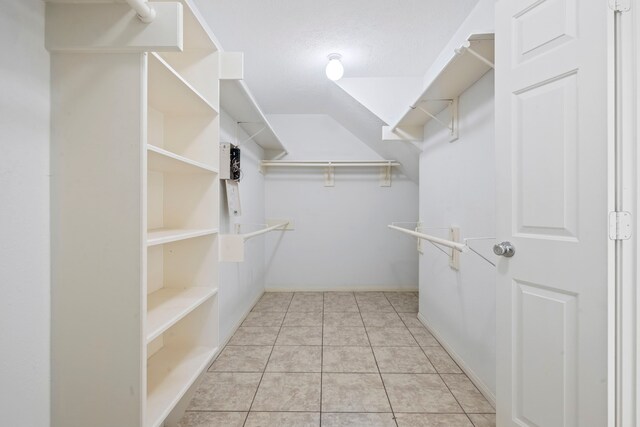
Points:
(286, 43)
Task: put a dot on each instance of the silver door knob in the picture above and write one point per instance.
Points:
(505, 249)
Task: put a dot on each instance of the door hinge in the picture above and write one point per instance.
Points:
(619, 225)
(620, 5)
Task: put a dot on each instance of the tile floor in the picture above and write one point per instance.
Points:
(336, 359)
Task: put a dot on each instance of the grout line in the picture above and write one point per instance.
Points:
(454, 396)
(265, 366)
(375, 359)
(469, 418)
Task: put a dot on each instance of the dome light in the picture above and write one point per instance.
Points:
(334, 69)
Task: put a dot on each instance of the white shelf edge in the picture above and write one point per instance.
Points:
(161, 236)
(179, 311)
(253, 104)
(329, 163)
(443, 70)
(175, 157)
(189, 367)
(184, 82)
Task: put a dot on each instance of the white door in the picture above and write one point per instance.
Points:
(552, 152)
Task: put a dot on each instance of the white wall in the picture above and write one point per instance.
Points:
(457, 187)
(24, 216)
(341, 239)
(241, 283)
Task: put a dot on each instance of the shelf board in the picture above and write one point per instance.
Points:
(237, 100)
(170, 94)
(167, 306)
(161, 160)
(160, 236)
(170, 373)
(458, 73)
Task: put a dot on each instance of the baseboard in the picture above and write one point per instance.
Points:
(409, 288)
(242, 319)
(465, 368)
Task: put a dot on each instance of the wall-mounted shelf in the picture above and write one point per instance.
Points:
(167, 235)
(330, 165)
(171, 372)
(236, 99)
(161, 160)
(167, 306)
(465, 66)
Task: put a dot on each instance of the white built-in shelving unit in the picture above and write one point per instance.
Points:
(181, 327)
(135, 196)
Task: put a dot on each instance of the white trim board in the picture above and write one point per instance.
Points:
(456, 358)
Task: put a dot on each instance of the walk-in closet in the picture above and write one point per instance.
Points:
(302, 213)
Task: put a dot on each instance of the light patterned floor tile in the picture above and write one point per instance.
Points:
(251, 335)
(300, 335)
(433, 420)
(345, 336)
(391, 337)
(283, 419)
(338, 318)
(222, 391)
(286, 392)
(441, 360)
(420, 393)
(403, 360)
(357, 420)
(424, 337)
(264, 318)
(249, 358)
(295, 359)
(348, 359)
(213, 419)
(471, 400)
(483, 420)
(379, 319)
(302, 318)
(411, 320)
(353, 393)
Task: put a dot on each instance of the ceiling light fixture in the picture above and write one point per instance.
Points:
(334, 69)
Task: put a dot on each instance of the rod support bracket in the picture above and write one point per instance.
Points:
(454, 236)
(385, 175)
(419, 244)
(329, 175)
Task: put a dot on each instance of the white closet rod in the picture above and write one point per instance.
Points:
(248, 236)
(460, 247)
(332, 163)
(145, 12)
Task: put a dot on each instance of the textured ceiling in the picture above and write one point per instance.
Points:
(286, 42)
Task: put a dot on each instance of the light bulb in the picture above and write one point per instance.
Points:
(334, 69)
